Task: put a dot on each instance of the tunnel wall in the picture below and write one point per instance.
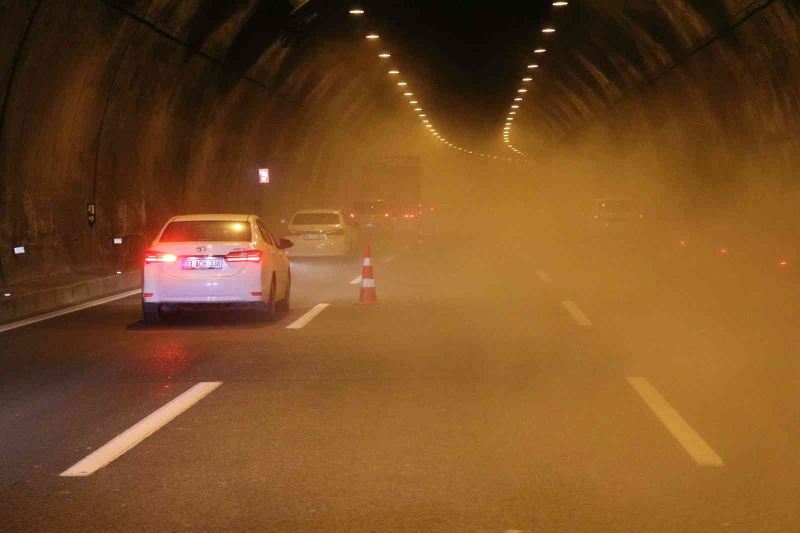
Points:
(151, 108)
(695, 102)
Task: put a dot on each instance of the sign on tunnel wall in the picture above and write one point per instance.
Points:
(263, 175)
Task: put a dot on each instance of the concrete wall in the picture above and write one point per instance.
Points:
(694, 101)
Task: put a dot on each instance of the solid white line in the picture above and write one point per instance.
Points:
(544, 276)
(356, 281)
(137, 433)
(693, 443)
(308, 317)
(79, 307)
(576, 313)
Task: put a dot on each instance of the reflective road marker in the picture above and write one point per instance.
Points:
(308, 317)
(576, 313)
(74, 308)
(137, 433)
(693, 443)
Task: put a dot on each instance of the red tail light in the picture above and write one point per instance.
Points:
(159, 257)
(409, 215)
(252, 256)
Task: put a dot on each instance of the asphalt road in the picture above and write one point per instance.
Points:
(513, 384)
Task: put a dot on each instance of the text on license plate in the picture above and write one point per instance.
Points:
(315, 236)
(193, 263)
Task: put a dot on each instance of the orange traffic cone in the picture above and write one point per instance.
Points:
(368, 295)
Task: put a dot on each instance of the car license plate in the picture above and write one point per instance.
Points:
(315, 236)
(195, 263)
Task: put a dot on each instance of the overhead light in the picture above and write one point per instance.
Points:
(513, 113)
(413, 102)
(384, 55)
(522, 90)
(408, 94)
(426, 121)
(402, 83)
(526, 80)
(423, 115)
(560, 4)
(548, 30)
(533, 65)
(540, 50)
(417, 109)
(373, 36)
(515, 106)
(394, 72)
(356, 12)
(517, 99)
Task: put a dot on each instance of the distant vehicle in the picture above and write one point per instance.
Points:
(390, 187)
(322, 232)
(220, 260)
(616, 213)
(370, 214)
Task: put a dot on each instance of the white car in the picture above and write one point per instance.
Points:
(217, 260)
(321, 232)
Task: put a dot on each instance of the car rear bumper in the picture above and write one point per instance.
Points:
(244, 287)
(332, 246)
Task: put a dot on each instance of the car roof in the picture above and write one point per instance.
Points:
(214, 216)
(303, 211)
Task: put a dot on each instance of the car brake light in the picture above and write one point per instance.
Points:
(409, 215)
(352, 215)
(253, 256)
(783, 263)
(159, 257)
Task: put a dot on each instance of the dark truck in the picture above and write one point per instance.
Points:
(389, 193)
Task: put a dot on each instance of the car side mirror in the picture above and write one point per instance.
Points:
(284, 243)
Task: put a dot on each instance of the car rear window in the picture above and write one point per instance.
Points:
(207, 230)
(301, 219)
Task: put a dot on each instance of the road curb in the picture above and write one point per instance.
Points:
(50, 299)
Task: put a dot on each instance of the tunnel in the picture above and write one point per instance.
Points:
(525, 121)
(151, 109)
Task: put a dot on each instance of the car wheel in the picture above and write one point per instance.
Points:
(151, 313)
(269, 311)
(285, 304)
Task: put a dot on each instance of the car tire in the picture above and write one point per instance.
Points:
(285, 304)
(268, 313)
(150, 313)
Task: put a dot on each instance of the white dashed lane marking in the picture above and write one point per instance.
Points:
(137, 433)
(544, 276)
(356, 281)
(576, 313)
(308, 317)
(693, 443)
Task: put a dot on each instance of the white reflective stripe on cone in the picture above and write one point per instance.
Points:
(368, 282)
(367, 261)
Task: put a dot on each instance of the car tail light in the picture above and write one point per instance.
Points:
(409, 215)
(252, 256)
(159, 257)
(783, 263)
(352, 215)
